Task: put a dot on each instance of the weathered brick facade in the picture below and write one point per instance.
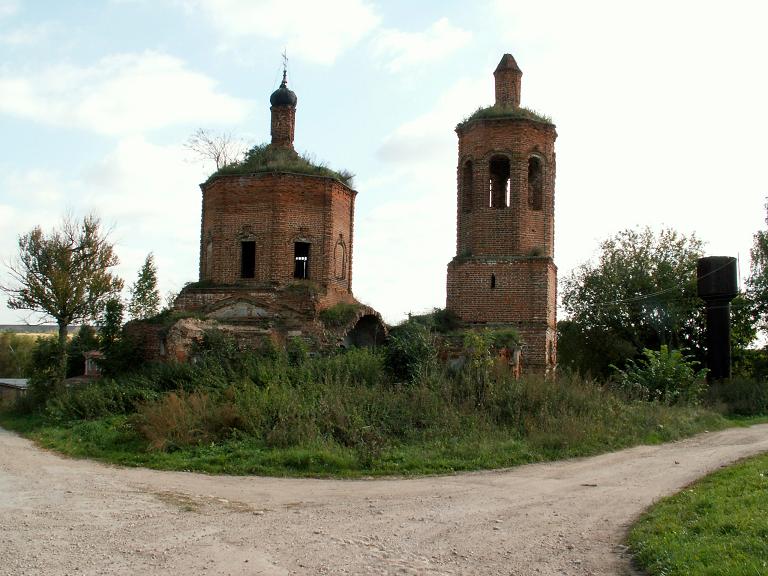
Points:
(504, 272)
(275, 211)
(275, 252)
(262, 232)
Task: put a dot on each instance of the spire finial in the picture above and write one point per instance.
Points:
(285, 68)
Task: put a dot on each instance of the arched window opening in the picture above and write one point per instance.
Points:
(340, 260)
(493, 281)
(535, 183)
(498, 186)
(466, 186)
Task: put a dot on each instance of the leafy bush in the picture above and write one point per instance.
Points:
(591, 351)
(440, 320)
(16, 355)
(667, 375)
(297, 351)
(741, 395)
(505, 338)
(253, 412)
(181, 419)
(751, 363)
(410, 351)
(339, 314)
(97, 399)
(84, 341)
(122, 356)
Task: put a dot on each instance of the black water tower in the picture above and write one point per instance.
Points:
(717, 286)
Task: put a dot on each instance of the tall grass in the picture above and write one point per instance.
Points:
(353, 412)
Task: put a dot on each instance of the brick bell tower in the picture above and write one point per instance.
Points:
(503, 272)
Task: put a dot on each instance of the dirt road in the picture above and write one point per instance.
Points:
(60, 516)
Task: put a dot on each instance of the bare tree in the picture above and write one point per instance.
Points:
(64, 275)
(222, 148)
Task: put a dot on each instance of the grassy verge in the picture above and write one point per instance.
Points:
(717, 526)
(362, 412)
(473, 443)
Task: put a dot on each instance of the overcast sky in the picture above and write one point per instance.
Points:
(661, 109)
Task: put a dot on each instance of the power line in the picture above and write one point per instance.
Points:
(658, 293)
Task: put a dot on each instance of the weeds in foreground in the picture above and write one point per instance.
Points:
(349, 413)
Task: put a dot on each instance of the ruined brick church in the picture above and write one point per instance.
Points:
(504, 271)
(276, 246)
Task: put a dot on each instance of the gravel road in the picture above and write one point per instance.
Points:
(61, 516)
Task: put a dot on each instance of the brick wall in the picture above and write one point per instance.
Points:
(523, 293)
(518, 229)
(504, 272)
(283, 125)
(274, 211)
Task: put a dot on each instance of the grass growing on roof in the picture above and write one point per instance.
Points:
(496, 111)
(339, 314)
(268, 158)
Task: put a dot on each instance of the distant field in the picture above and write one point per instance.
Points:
(35, 330)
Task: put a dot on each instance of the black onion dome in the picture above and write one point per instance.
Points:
(283, 96)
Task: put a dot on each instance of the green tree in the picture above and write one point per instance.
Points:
(757, 283)
(145, 297)
(15, 355)
(667, 375)
(64, 275)
(640, 293)
(111, 322)
(84, 341)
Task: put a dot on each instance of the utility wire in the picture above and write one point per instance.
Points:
(658, 293)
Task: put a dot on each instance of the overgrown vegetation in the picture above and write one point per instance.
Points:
(505, 112)
(16, 354)
(145, 296)
(339, 314)
(668, 376)
(268, 158)
(715, 526)
(439, 320)
(64, 274)
(397, 409)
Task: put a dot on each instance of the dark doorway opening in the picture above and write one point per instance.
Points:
(248, 259)
(368, 332)
(301, 260)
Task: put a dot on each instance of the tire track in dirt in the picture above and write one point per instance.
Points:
(60, 516)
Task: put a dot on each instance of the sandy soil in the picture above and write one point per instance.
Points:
(60, 516)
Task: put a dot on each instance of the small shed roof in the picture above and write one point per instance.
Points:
(14, 382)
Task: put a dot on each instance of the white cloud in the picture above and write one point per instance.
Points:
(404, 50)
(660, 115)
(150, 193)
(8, 7)
(430, 137)
(403, 244)
(316, 31)
(406, 220)
(121, 94)
(147, 195)
(26, 35)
